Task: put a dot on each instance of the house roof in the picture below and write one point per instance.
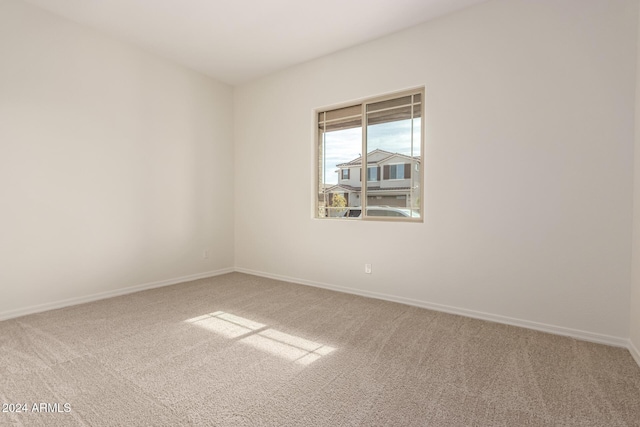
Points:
(380, 189)
(387, 155)
(342, 187)
(369, 189)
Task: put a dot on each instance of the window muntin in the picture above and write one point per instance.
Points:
(389, 132)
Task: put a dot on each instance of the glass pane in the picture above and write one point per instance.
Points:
(393, 147)
(339, 147)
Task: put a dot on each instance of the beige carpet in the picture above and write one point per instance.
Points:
(239, 350)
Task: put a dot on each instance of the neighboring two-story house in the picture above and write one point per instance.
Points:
(389, 180)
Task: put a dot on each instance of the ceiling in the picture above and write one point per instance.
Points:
(236, 41)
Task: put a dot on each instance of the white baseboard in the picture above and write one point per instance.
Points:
(556, 330)
(108, 294)
(634, 352)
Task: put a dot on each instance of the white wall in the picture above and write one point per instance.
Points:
(634, 324)
(115, 166)
(529, 167)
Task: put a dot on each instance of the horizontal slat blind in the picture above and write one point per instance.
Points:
(378, 112)
(342, 118)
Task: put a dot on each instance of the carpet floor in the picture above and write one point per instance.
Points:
(239, 350)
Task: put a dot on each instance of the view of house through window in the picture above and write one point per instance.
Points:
(385, 134)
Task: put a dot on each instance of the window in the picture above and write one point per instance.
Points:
(382, 136)
(373, 173)
(397, 171)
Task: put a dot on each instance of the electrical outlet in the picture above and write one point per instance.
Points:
(367, 268)
(205, 254)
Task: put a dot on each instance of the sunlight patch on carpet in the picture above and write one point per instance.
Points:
(258, 335)
(226, 324)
